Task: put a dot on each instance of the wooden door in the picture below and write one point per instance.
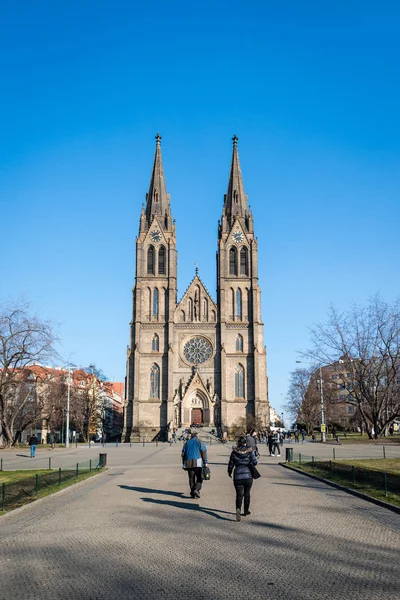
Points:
(197, 416)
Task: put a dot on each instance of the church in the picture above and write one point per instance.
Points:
(195, 359)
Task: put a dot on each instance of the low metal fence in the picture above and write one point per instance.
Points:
(28, 488)
(356, 475)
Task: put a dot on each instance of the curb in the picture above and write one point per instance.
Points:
(38, 501)
(351, 491)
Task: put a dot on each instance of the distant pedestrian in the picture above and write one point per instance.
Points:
(270, 442)
(252, 442)
(303, 436)
(275, 444)
(240, 462)
(296, 436)
(194, 457)
(33, 442)
(51, 439)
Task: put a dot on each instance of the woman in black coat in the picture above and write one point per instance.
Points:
(240, 461)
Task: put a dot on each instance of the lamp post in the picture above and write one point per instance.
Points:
(67, 413)
(321, 396)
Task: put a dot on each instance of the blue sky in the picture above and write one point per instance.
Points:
(313, 93)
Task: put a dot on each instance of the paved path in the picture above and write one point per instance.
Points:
(133, 532)
(62, 457)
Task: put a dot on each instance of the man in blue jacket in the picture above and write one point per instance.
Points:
(194, 457)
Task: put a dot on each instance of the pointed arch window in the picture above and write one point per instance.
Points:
(239, 382)
(155, 381)
(244, 261)
(155, 302)
(155, 343)
(233, 261)
(150, 260)
(190, 309)
(238, 306)
(239, 343)
(205, 309)
(233, 303)
(161, 261)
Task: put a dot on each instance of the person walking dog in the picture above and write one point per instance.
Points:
(194, 457)
(241, 462)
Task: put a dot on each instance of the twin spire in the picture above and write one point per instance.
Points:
(235, 202)
(157, 200)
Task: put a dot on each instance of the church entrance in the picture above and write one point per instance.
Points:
(197, 416)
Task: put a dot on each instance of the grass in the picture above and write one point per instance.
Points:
(15, 476)
(391, 466)
(356, 438)
(384, 465)
(24, 479)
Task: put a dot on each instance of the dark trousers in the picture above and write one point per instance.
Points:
(270, 445)
(195, 479)
(243, 487)
(276, 447)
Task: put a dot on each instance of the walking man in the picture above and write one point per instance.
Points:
(276, 448)
(194, 457)
(33, 443)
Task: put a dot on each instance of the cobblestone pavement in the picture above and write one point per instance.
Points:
(62, 457)
(133, 532)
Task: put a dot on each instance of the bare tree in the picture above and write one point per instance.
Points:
(303, 399)
(24, 340)
(362, 347)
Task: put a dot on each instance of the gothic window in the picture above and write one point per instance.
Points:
(148, 303)
(155, 343)
(239, 382)
(238, 312)
(244, 261)
(239, 343)
(233, 261)
(213, 315)
(183, 318)
(161, 261)
(233, 303)
(205, 309)
(155, 302)
(150, 261)
(190, 309)
(249, 305)
(155, 381)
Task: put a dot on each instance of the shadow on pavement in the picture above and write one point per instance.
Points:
(191, 506)
(144, 490)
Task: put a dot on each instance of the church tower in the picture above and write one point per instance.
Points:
(149, 376)
(244, 387)
(195, 360)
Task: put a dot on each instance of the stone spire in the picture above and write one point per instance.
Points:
(235, 204)
(157, 200)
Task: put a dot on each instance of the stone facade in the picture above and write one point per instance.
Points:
(195, 360)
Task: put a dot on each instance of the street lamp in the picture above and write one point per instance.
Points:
(321, 392)
(70, 368)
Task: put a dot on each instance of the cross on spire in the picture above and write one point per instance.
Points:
(158, 139)
(235, 140)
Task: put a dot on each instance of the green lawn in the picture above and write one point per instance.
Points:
(20, 486)
(384, 465)
(373, 487)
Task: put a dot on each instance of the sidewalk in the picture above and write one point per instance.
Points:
(133, 532)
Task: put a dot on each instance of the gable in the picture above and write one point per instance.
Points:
(196, 304)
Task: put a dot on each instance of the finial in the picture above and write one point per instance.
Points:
(158, 138)
(235, 140)
(196, 269)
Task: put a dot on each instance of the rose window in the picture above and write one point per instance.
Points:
(197, 350)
